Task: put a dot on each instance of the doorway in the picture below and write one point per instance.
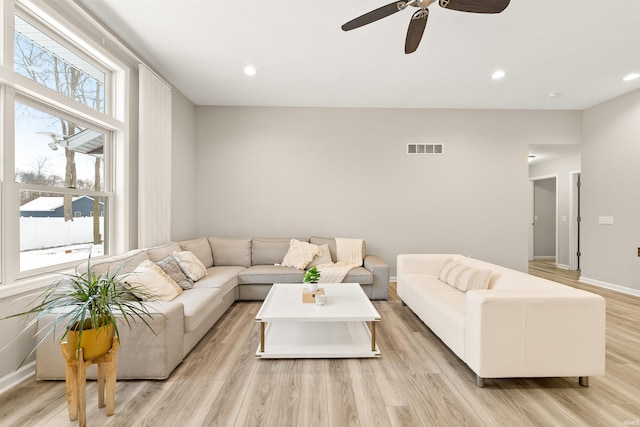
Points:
(543, 236)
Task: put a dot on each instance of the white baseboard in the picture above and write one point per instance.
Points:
(545, 258)
(623, 289)
(15, 378)
(393, 279)
(562, 266)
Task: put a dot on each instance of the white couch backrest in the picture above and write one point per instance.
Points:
(506, 278)
(501, 277)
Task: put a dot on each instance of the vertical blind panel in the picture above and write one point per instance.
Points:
(154, 160)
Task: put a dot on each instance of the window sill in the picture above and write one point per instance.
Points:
(31, 284)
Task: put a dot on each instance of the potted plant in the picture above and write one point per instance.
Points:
(85, 307)
(312, 276)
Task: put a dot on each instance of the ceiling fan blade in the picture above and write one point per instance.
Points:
(374, 15)
(416, 29)
(476, 6)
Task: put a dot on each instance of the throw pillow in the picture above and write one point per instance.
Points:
(170, 266)
(300, 254)
(446, 269)
(191, 265)
(149, 283)
(472, 278)
(462, 277)
(323, 257)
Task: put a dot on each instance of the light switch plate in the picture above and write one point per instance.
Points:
(606, 220)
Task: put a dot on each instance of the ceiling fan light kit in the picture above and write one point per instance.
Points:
(418, 21)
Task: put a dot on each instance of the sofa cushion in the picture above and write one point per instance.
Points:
(223, 278)
(300, 254)
(160, 252)
(200, 248)
(149, 282)
(170, 266)
(440, 306)
(269, 251)
(269, 274)
(231, 251)
(191, 265)
(198, 305)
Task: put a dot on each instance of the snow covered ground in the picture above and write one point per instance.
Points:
(34, 259)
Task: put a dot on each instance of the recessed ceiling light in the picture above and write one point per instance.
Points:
(498, 74)
(630, 77)
(552, 95)
(250, 70)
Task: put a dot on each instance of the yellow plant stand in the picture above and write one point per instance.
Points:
(76, 380)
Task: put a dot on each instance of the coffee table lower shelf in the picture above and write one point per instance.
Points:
(317, 340)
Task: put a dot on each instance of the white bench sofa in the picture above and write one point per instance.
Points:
(521, 326)
(237, 269)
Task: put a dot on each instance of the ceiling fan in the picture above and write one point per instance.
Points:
(419, 19)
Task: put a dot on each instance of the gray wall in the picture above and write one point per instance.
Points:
(183, 174)
(610, 177)
(344, 172)
(544, 209)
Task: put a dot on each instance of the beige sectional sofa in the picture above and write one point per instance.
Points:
(237, 269)
(519, 326)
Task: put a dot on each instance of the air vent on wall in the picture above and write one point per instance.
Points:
(425, 149)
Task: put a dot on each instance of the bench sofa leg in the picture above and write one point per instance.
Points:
(479, 381)
(583, 381)
(404, 304)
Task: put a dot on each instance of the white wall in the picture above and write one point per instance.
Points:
(183, 173)
(344, 172)
(610, 179)
(13, 345)
(562, 167)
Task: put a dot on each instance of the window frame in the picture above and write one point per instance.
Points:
(113, 122)
(107, 193)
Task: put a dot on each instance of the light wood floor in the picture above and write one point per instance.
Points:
(416, 382)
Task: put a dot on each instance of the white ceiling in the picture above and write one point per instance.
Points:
(580, 49)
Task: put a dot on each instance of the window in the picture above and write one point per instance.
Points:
(51, 154)
(46, 61)
(61, 179)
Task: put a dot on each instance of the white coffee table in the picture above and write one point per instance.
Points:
(292, 329)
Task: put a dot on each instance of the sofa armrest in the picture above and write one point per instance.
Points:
(535, 333)
(143, 354)
(380, 270)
